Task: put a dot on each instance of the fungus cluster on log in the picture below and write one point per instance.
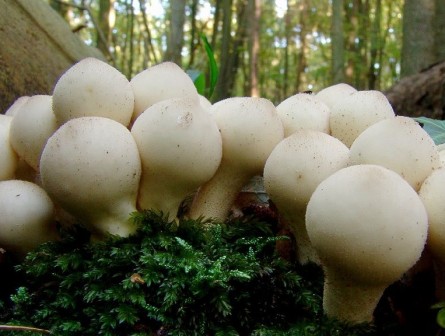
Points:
(361, 189)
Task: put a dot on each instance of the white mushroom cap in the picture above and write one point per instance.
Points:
(441, 149)
(91, 167)
(293, 170)
(303, 111)
(18, 103)
(180, 148)
(26, 217)
(91, 87)
(250, 129)
(31, 127)
(432, 194)
(368, 227)
(332, 94)
(159, 82)
(355, 112)
(399, 144)
(8, 157)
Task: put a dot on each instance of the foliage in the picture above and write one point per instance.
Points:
(440, 317)
(195, 278)
(435, 128)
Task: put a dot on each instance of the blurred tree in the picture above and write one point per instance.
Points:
(175, 35)
(338, 44)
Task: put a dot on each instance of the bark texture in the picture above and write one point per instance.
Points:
(36, 47)
(422, 94)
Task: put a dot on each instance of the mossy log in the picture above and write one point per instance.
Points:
(37, 46)
(421, 94)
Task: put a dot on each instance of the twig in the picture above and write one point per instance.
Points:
(22, 328)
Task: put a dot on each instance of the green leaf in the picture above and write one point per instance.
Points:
(441, 318)
(435, 128)
(198, 79)
(214, 73)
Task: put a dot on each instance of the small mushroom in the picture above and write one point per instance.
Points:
(180, 148)
(432, 194)
(303, 111)
(332, 94)
(18, 103)
(91, 87)
(26, 217)
(355, 112)
(33, 123)
(368, 227)
(399, 144)
(91, 167)
(159, 82)
(293, 170)
(8, 157)
(250, 129)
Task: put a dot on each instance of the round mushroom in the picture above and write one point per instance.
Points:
(355, 112)
(91, 167)
(180, 148)
(332, 94)
(399, 144)
(92, 87)
(368, 226)
(293, 170)
(432, 194)
(31, 127)
(303, 111)
(8, 157)
(26, 217)
(250, 129)
(159, 82)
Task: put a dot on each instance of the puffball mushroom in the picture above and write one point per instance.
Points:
(303, 111)
(159, 82)
(91, 167)
(91, 87)
(355, 112)
(332, 94)
(180, 148)
(26, 217)
(432, 194)
(399, 144)
(33, 123)
(18, 103)
(8, 157)
(368, 226)
(293, 170)
(250, 129)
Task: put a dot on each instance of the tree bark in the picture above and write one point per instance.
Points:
(421, 94)
(176, 35)
(418, 36)
(338, 43)
(254, 46)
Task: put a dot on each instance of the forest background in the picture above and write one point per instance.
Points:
(269, 48)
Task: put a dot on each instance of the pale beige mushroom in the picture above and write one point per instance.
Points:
(26, 217)
(368, 227)
(92, 87)
(250, 129)
(91, 167)
(293, 170)
(180, 147)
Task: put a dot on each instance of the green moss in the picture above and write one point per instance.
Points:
(198, 278)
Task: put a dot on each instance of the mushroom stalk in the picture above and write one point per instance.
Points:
(215, 199)
(350, 301)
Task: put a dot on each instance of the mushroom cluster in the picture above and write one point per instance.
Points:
(360, 188)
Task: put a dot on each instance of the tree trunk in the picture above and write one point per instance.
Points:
(105, 21)
(254, 46)
(375, 48)
(418, 36)
(439, 30)
(338, 44)
(176, 35)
